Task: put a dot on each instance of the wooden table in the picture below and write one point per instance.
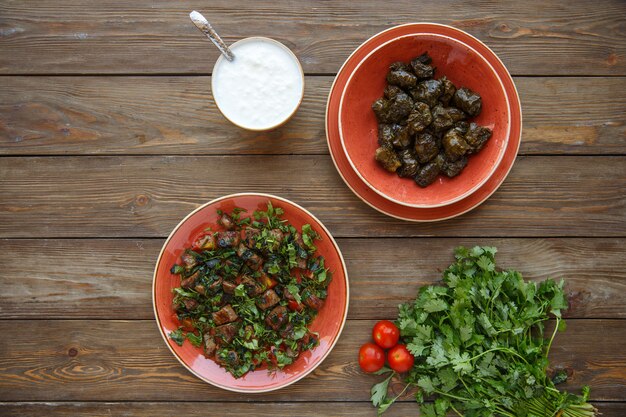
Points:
(109, 136)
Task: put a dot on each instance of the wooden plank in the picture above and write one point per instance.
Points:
(330, 409)
(98, 360)
(111, 36)
(111, 279)
(147, 196)
(177, 115)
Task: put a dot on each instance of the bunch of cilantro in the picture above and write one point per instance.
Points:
(479, 344)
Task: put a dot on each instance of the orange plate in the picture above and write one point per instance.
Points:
(464, 66)
(360, 188)
(328, 323)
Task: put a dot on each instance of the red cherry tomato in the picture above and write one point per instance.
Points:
(400, 359)
(386, 334)
(371, 357)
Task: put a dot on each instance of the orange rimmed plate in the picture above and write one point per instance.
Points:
(461, 64)
(328, 323)
(360, 188)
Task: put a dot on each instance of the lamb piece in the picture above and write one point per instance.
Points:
(249, 236)
(190, 281)
(452, 169)
(454, 145)
(288, 296)
(216, 284)
(206, 242)
(268, 299)
(200, 289)
(190, 304)
(400, 74)
(468, 101)
(189, 260)
(251, 259)
(428, 92)
(224, 315)
(448, 91)
(227, 222)
(254, 261)
(253, 287)
(420, 118)
(229, 287)
(228, 239)
(276, 317)
(409, 163)
(421, 67)
(388, 159)
(209, 346)
(477, 136)
(225, 333)
(276, 237)
(426, 147)
(312, 301)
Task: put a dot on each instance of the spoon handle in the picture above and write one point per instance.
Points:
(206, 28)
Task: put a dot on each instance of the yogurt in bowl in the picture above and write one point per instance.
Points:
(262, 87)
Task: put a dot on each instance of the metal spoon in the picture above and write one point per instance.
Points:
(206, 28)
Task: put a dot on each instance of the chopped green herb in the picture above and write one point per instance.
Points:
(177, 336)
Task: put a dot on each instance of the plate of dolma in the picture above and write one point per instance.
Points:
(424, 120)
(362, 189)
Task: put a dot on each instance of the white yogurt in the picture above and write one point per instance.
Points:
(262, 87)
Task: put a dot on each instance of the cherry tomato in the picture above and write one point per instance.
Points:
(400, 359)
(386, 334)
(294, 305)
(371, 357)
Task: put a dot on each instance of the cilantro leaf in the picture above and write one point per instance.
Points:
(379, 391)
(177, 336)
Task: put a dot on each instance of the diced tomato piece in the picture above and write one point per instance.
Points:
(294, 305)
(267, 282)
(187, 324)
(206, 241)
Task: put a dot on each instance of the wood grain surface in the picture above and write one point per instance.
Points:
(147, 196)
(177, 115)
(112, 279)
(109, 136)
(82, 360)
(112, 36)
(193, 409)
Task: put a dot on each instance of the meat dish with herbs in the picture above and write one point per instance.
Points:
(249, 292)
(424, 126)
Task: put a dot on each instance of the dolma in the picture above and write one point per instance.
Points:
(388, 159)
(468, 101)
